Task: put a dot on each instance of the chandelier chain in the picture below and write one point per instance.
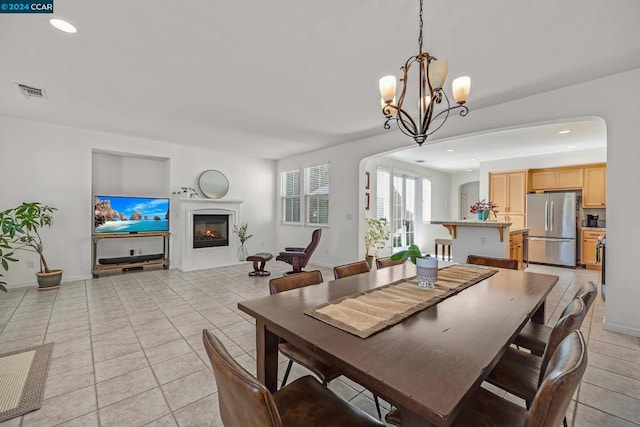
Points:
(421, 23)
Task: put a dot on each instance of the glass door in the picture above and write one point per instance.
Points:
(403, 211)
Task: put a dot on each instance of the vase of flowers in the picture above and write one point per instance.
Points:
(241, 231)
(483, 208)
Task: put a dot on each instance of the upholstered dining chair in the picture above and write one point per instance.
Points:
(346, 270)
(535, 336)
(558, 383)
(521, 373)
(299, 257)
(385, 262)
(324, 372)
(510, 263)
(294, 281)
(244, 401)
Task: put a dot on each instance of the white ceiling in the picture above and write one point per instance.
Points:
(276, 78)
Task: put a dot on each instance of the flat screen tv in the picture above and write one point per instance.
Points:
(130, 215)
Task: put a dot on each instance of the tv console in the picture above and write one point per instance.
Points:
(130, 262)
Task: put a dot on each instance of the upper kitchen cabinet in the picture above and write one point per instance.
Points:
(508, 191)
(570, 178)
(594, 192)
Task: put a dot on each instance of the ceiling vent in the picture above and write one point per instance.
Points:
(32, 92)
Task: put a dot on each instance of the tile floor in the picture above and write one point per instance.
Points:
(128, 349)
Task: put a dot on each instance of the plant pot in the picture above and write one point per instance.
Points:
(427, 272)
(50, 280)
(369, 260)
(482, 215)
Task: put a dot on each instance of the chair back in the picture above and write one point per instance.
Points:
(564, 373)
(351, 269)
(587, 293)
(510, 263)
(243, 400)
(385, 262)
(570, 320)
(295, 281)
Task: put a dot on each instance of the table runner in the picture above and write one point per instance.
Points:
(365, 313)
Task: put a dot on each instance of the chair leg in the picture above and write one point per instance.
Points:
(375, 399)
(564, 422)
(286, 374)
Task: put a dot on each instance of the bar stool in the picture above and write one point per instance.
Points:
(446, 244)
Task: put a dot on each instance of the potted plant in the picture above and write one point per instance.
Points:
(19, 230)
(426, 266)
(375, 238)
(241, 231)
(483, 208)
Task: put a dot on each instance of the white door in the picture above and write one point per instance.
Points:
(403, 211)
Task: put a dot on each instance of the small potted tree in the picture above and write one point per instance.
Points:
(375, 238)
(19, 230)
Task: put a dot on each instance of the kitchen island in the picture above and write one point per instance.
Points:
(485, 238)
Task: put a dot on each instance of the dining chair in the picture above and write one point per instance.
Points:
(346, 270)
(385, 262)
(535, 336)
(294, 281)
(551, 400)
(549, 405)
(244, 401)
(521, 373)
(510, 263)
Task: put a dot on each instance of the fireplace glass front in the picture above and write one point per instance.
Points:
(210, 231)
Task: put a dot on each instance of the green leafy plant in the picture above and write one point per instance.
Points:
(376, 235)
(241, 231)
(412, 252)
(19, 231)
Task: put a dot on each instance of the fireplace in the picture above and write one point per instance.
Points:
(210, 230)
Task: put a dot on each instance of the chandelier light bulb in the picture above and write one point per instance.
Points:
(388, 88)
(460, 88)
(438, 70)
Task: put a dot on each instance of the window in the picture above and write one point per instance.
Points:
(316, 191)
(426, 200)
(383, 194)
(290, 194)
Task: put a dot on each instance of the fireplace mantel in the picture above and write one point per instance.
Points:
(201, 258)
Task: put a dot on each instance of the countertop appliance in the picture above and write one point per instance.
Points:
(592, 220)
(551, 219)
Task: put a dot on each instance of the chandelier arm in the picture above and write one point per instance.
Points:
(406, 121)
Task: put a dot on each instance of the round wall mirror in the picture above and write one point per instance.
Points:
(213, 184)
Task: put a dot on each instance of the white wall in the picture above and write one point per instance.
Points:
(53, 164)
(457, 181)
(623, 230)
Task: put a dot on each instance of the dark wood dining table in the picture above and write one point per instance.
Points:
(427, 365)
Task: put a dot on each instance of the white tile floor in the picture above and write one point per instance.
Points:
(128, 349)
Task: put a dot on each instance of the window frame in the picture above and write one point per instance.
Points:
(284, 197)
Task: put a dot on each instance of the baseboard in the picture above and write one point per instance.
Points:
(627, 330)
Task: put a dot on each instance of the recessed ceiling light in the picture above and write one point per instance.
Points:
(419, 161)
(572, 146)
(472, 160)
(450, 150)
(468, 170)
(562, 132)
(63, 25)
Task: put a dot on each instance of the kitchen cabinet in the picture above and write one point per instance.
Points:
(589, 240)
(516, 247)
(570, 178)
(508, 191)
(594, 192)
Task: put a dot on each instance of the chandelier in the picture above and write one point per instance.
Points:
(432, 74)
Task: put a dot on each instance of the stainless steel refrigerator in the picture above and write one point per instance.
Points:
(551, 219)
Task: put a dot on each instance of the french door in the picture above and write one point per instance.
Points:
(403, 224)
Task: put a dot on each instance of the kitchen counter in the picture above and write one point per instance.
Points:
(469, 237)
(593, 228)
(516, 230)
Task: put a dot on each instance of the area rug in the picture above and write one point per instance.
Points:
(23, 375)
